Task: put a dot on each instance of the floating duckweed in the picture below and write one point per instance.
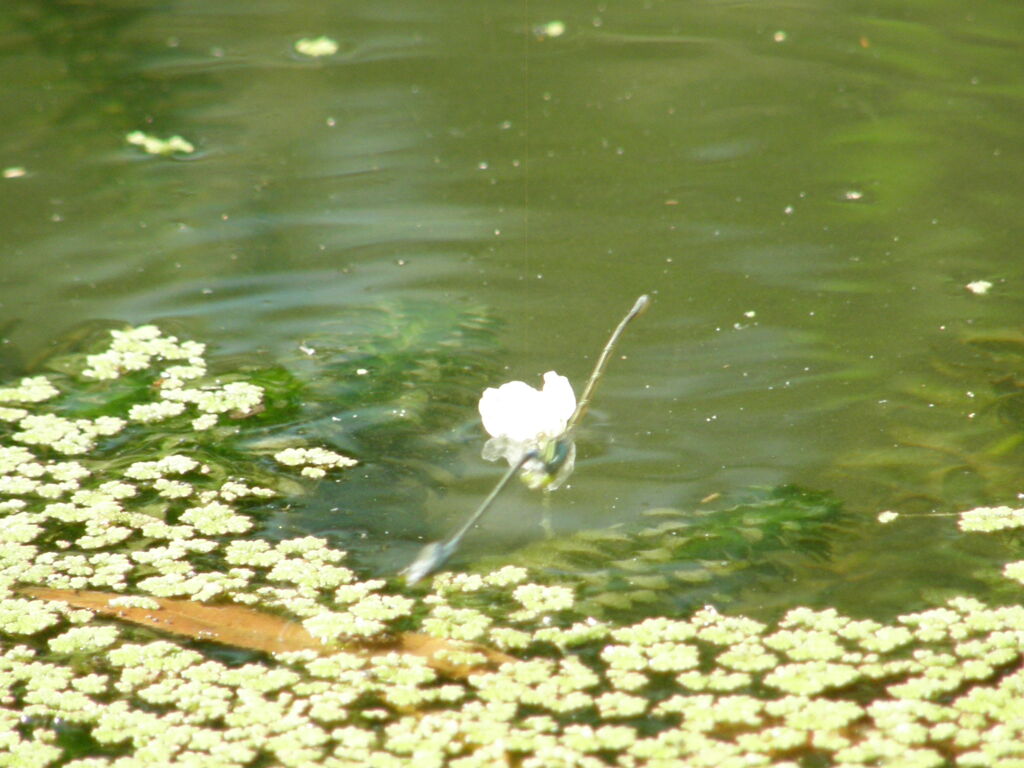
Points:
(456, 623)
(175, 464)
(318, 460)
(876, 750)
(696, 711)
(979, 617)
(252, 677)
(574, 675)
(31, 469)
(327, 626)
(672, 657)
(154, 145)
(506, 576)
(12, 457)
(988, 519)
(1014, 571)
(531, 672)
(933, 625)
(739, 710)
(624, 657)
(312, 548)
(330, 706)
(510, 639)
(134, 349)
(66, 436)
(618, 704)
(625, 680)
(537, 599)
(460, 657)
(204, 422)
(252, 552)
(336, 665)
(109, 570)
(316, 47)
(573, 701)
(933, 686)
(805, 645)
(655, 630)
(173, 375)
(21, 486)
(116, 489)
(814, 714)
(197, 586)
(382, 607)
(885, 639)
(91, 684)
(172, 489)
(233, 490)
(715, 628)
(149, 413)
(458, 583)
(580, 633)
(313, 575)
(18, 617)
(20, 528)
(157, 656)
(936, 685)
(580, 738)
(169, 558)
(809, 678)
(747, 657)
(396, 669)
(134, 601)
(31, 753)
(99, 533)
(297, 602)
(31, 389)
(774, 739)
(828, 620)
(239, 397)
(216, 519)
(715, 680)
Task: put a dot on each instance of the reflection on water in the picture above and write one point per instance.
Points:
(804, 195)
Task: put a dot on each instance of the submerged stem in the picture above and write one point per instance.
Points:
(436, 553)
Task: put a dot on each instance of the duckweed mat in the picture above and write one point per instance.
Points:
(128, 473)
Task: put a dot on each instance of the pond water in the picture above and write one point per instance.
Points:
(805, 190)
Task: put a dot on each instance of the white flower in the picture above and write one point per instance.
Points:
(522, 420)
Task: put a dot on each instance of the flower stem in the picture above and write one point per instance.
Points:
(436, 553)
(602, 362)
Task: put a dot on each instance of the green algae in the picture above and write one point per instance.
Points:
(934, 687)
(673, 561)
(959, 439)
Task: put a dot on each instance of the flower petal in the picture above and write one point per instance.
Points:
(523, 414)
(559, 401)
(509, 410)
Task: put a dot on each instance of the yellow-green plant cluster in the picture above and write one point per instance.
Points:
(932, 688)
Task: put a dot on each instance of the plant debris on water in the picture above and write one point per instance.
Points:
(131, 505)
